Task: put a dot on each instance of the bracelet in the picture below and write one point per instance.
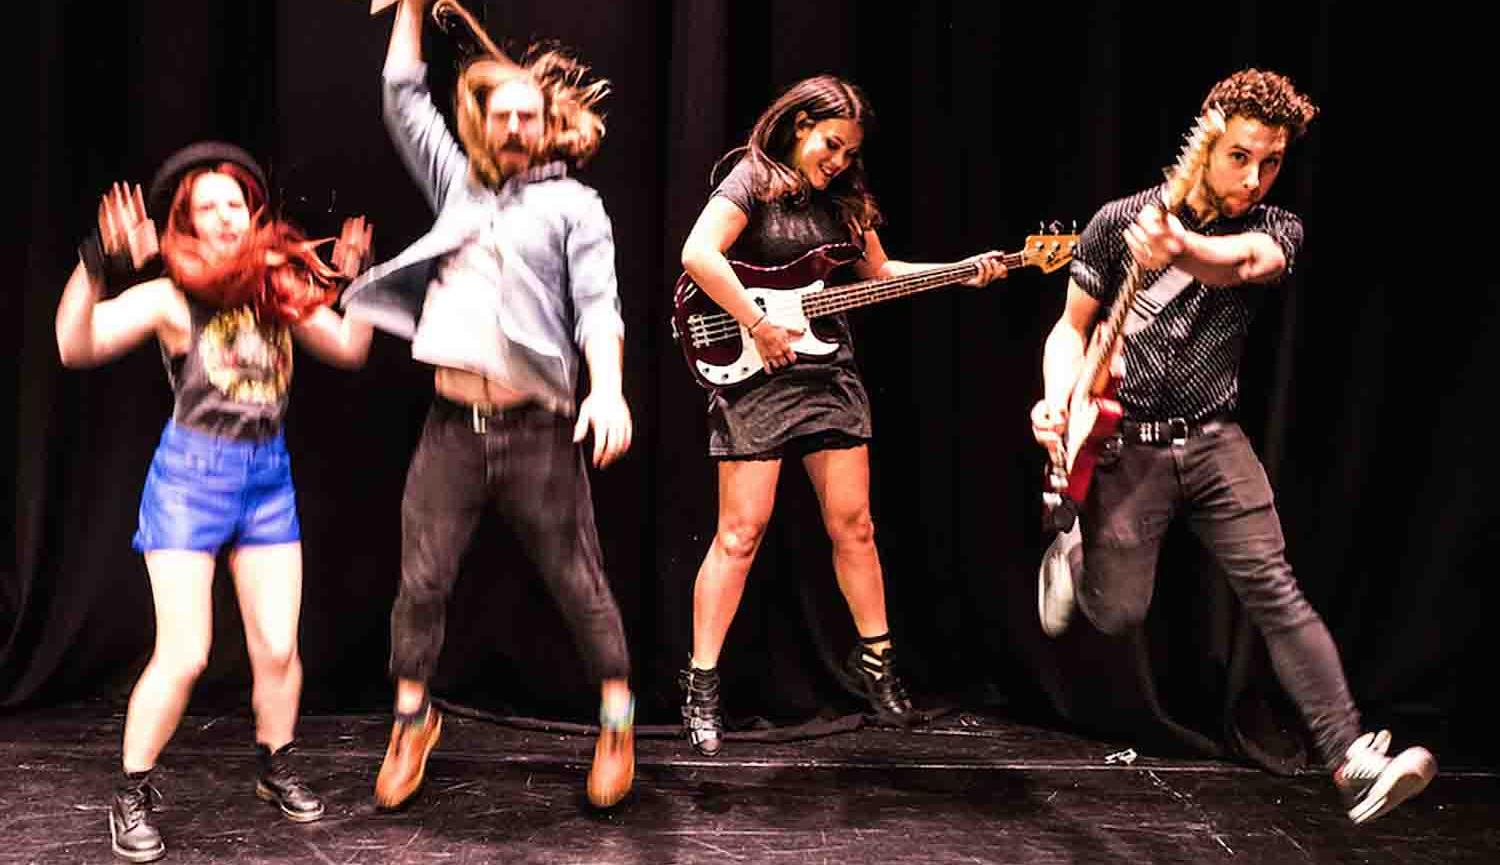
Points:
(751, 330)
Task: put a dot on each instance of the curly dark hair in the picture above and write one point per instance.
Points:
(1265, 96)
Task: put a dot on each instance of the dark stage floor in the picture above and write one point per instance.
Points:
(965, 790)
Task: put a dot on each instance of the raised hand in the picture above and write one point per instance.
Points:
(127, 234)
(351, 252)
(1155, 238)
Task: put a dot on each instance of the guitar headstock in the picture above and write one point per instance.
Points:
(1192, 155)
(1050, 249)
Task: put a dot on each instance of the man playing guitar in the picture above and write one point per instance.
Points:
(1178, 451)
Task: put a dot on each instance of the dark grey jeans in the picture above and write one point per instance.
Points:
(1217, 483)
(526, 463)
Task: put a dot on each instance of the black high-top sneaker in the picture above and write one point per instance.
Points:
(1372, 783)
(131, 835)
(278, 783)
(875, 679)
(702, 722)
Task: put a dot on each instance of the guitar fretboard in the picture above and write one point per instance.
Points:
(854, 295)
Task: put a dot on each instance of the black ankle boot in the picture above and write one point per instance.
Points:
(702, 721)
(279, 784)
(875, 679)
(131, 834)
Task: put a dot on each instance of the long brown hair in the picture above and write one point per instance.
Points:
(774, 137)
(275, 270)
(573, 128)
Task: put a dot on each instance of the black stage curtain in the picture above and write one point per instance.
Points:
(1362, 385)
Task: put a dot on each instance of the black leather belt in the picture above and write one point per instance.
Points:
(1172, 430)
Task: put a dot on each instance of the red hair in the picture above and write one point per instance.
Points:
(275, 270)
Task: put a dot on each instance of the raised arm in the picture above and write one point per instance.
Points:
(421, 136)
(341, 341)
(1215, 260)
(90, 332)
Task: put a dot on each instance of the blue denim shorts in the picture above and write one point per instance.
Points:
(204, 492)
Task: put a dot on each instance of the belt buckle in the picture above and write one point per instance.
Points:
(478, 414)
(1178, 427)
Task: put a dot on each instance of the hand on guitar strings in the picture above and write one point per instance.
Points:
(1156, 239)
(1048, 423)
(774, 343)
(991, 268)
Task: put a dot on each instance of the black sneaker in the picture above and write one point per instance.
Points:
(702, 721)
(277, 783)
(875, 679)
(1372, 783)
(131, 834)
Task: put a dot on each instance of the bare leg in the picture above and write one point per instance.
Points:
(747, 493)
(182, 594)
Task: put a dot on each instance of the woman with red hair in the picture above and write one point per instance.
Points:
(238, 287)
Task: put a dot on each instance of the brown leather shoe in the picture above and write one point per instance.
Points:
(614, 766)
(405, 762)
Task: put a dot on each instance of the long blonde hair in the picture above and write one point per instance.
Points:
(573, 128)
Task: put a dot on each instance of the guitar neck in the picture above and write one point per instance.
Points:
(1180, 177)
(1096, 363)
(845, 297)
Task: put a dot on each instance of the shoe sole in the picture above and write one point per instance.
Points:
(1406, 776)
(266, 794)
(133, 855)
(1056, 600)
(395, 802)
(896, 722)
(601, 802)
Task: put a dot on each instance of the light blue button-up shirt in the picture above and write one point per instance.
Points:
(555, 246)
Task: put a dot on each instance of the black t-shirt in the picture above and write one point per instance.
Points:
(1185, 362)
(814, 395)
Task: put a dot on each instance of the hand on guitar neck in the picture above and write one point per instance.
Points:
(991, 267)
(1156, 239)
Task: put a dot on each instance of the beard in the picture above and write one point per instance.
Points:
(512, 154)
(1220, 205)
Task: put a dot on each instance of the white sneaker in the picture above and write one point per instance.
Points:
(1372, 783)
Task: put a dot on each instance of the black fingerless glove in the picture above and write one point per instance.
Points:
(113, 273)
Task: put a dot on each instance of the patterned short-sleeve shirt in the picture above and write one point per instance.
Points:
(1185, 362)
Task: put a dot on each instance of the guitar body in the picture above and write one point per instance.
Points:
(720, 351)
(1091, 422)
